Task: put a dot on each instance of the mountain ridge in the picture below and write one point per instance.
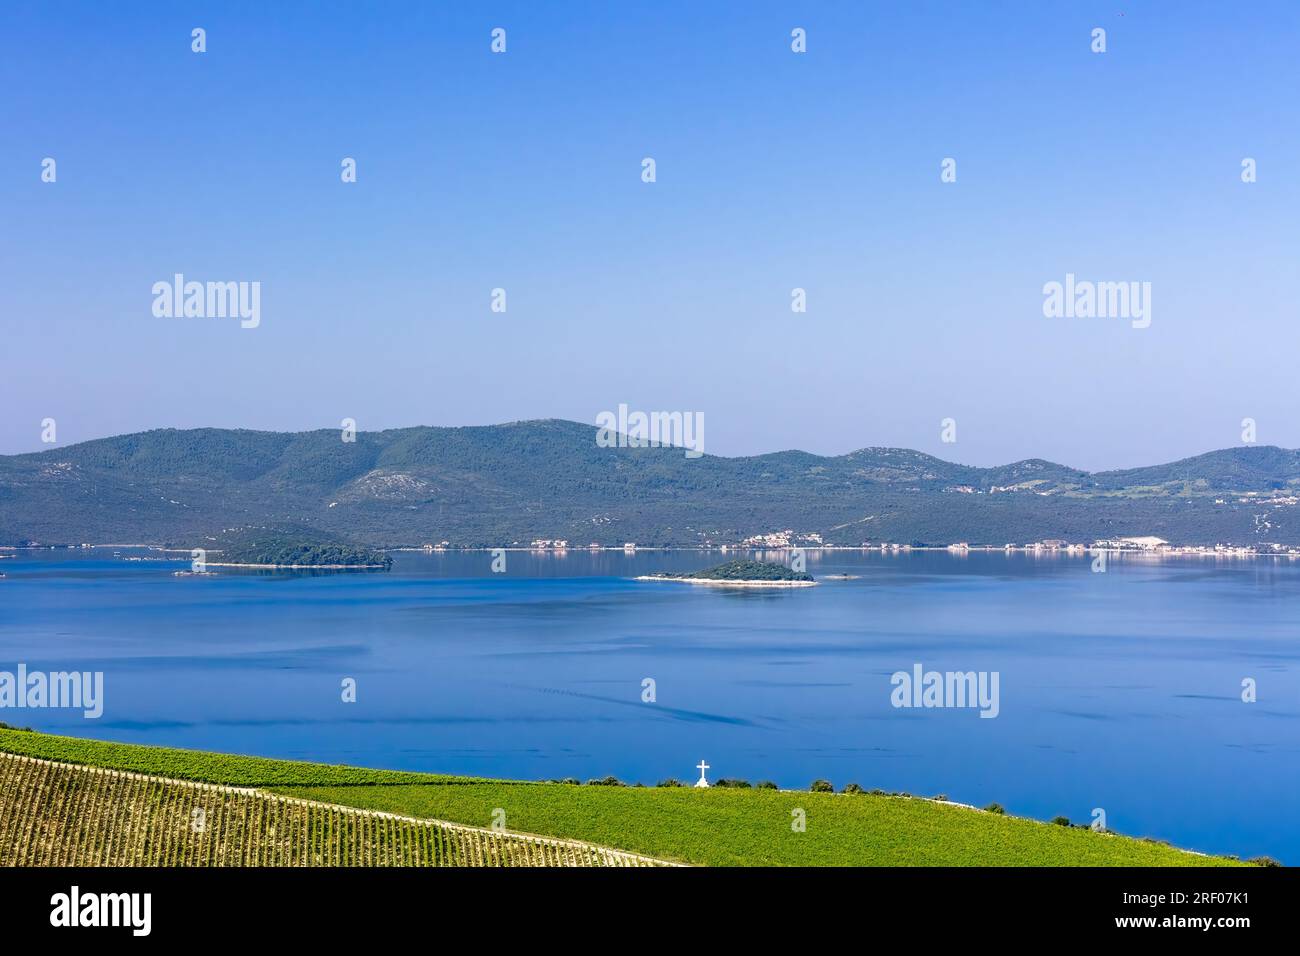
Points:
(488, 485)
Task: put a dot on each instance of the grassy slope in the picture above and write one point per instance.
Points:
(718, 827)
(722, 827)
(206, 767)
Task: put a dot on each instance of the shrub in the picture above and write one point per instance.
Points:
(606, 782)
(852, 788)
(995, 808)
(940, 796)
(1263, 861)
(670, 782)
(1061, 821)
(821, 786)
(877, 792)
(766, 785)
(572, 781)
(733, 783)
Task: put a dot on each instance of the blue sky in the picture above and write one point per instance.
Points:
(775, 170)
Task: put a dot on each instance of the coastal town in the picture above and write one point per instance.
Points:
(790, 540)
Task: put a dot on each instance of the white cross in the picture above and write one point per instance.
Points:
(701, 767)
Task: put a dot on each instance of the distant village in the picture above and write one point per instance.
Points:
(790, 540)
(1141, 544)
(810, 540)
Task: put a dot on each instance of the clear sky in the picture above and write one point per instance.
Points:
(775, 170)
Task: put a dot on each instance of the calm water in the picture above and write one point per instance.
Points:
(1119, 690)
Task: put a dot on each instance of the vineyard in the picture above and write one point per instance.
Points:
(72, 801)
(55, 814)
(197, 765)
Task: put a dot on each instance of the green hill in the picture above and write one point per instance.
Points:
(718, 826)
(60, 814)
(508, 484)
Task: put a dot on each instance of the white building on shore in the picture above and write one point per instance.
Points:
(1145, 543)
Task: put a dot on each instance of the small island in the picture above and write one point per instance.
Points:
(283, 551)
(742, 574)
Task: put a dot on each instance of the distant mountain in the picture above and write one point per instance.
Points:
(504, 484)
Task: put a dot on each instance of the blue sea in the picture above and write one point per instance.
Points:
(1119, 690)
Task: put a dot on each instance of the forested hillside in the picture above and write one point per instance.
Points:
(505, 484)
